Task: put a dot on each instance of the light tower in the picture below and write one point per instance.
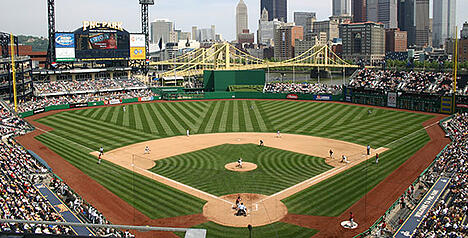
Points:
(144, 22)
(51, 21)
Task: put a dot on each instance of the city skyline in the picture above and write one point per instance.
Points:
(69, 17)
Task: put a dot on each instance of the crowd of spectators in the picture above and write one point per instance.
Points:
(10, 124)
(305, 88)
(20, 200)
(449, 217)
(73, 86)
(41, 102)
(412, 82)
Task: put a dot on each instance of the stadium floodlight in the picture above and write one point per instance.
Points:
(147, 2)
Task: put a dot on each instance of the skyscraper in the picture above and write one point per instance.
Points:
(388, 13)
(444, 21)
(304, 19)
(341, 7)
(421, 23)
(242, 19)
(276, 9)
(406, 19)
(359, 12)
(161, 29)
(372, 10)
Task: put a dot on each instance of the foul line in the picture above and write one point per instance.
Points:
(184, 185)
(157, 175)
(424, 128)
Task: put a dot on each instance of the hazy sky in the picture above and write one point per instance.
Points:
(30, 16)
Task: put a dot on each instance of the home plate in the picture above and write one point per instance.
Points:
(347, 225)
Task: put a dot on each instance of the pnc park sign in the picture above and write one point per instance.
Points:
(89, 25)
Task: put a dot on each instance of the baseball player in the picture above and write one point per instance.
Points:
(124, 109)
(344, 159)
(147, 150)
(261, 142)
(242, 210)
(331, 153)
(101, 151)
(99, 159)
(368, 149)
(351, 219)
(239, 163)
(188, 132)
(377, 159)
(278, 135)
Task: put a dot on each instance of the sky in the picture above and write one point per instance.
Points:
(29, 17)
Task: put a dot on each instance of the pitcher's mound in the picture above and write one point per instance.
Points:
(260, 211)
(246, 166)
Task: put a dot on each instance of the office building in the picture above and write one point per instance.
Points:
(359, 10)
(242, 19)
(285, 41)
(464, 31)
(341, 8)
(303, 19)
(384, 11)
(329, 27)
(363, 41)
(204, 34)
(422, 23)
(276, 9)
(406, 19)
(266, 29)
(396, 40)
(161, 29)
(444, 16)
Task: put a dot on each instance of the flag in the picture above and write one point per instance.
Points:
(160, 43)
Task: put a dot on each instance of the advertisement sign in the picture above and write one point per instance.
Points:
(462, 105)
(145, 99)
(137, 53)
(392, 100)
(137, 40)
(323, 98)
(446, 105)
(102, 41)
(292, 96)
(114, 101)
(39, 110)
(65, 47)
(78, 105)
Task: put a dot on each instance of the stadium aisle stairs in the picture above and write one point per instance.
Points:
(60, 207)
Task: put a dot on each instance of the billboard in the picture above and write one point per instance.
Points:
(392, 99)
(137, 53)
(65, 47)
(137, 47)
(102, 41)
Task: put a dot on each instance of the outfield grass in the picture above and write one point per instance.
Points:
(277, 169)
(82, 131)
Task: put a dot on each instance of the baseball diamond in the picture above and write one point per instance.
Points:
(180, 174)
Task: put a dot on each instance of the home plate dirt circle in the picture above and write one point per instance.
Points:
(246, 166)
(261, 210)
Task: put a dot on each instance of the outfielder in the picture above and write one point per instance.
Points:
(124, 109)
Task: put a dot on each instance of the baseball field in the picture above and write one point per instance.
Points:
(184, 180)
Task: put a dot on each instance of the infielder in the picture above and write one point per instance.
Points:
(99, 159)
(147, 150)
(188, 132)
(368, 149)
(331, 153)
(239, 163)
(101, 151)
(261, 142)
(344, 159)
(377, 159)
(278, 135)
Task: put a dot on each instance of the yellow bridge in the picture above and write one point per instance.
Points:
(224, 56)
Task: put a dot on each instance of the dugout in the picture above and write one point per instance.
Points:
(220, 80)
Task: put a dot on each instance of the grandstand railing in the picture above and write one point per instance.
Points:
(392, 207)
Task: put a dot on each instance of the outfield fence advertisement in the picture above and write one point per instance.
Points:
(392, 99)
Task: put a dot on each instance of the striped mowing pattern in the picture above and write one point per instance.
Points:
(278, 229)
(84, 130)
(204, 169)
